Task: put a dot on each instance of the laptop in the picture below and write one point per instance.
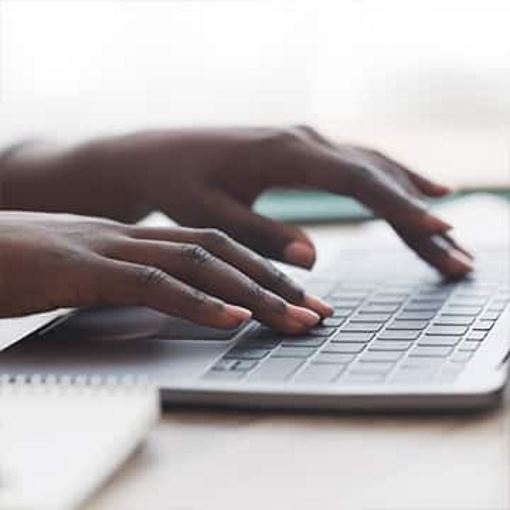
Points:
(401, 338)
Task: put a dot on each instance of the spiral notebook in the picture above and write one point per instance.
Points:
(61, 438)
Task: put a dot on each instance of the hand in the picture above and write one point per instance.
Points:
(211, 178)
(50, 261)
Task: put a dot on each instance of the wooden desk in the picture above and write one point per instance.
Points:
(215, 460)
(227, 460)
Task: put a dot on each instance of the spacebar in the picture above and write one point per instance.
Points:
(274, 370)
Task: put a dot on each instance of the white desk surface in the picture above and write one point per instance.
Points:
(198, 460)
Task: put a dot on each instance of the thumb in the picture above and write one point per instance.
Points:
(273, 239)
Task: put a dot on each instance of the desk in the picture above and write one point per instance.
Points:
(213, 460)
(198, 460)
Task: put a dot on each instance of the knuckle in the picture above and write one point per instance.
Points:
(194, 254)
(307, 130)
(281, 136)
(284, 284)
(256, 292)
(148, 277)
(214, 238)
(377, 154)
(194, 299)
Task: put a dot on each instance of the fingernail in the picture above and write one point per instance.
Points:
(462, 258)
(238, 312)
(319, 305)
(300, 254)
(445, 189)
(454, 244)
(303, 315)
(438, 224)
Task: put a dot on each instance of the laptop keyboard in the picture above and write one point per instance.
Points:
(381, 332)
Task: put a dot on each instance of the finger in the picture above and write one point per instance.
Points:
(455, 244)
(424, 185)
(441, 254)
(242, 258)
(427, 186)
(200, 269)
(108, 282)
(388, 199)
(344, 171)
(271, 238)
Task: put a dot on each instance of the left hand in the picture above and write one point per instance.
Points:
(212, 177)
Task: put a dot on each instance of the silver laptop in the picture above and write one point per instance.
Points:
(400, 338)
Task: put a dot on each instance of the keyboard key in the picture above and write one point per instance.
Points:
(421, 307)
(454, 320)
(368, 308)
(340, 313)
(490, 316)
(439, 340)
(321, 331)
(376, 356)
(275, 370)
(247, 353)
(352, 337)
(368, 327)
(347, 294)
(390, 345)
(428, 301)
(399, 334)
(332, 322)
(304, 341)
(343, 347)
(245, 365)
(394, 295)
(430, 351)
(249, 343)
(336, 358)
(483, 325)
(371, 317)
(319, 373)
(386, 300)
(472, 295)
(462, 310)
(263, 333)
(477, 336)
(224, 364)
(416, 325)
(435, 294)
(344, 303)
(292, 352)
(415, 316)
(447, 330)
(473, 301)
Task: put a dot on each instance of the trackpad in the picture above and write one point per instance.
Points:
(119, 341)
(136, 322)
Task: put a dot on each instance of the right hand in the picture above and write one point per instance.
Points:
(52, 261)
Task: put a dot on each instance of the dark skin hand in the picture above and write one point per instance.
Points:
(201, 178)
(55, 260)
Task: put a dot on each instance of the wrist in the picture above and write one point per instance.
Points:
(24, 168)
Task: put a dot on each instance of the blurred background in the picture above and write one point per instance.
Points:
(426, 80)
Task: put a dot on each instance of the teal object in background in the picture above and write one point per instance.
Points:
(319, 207)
